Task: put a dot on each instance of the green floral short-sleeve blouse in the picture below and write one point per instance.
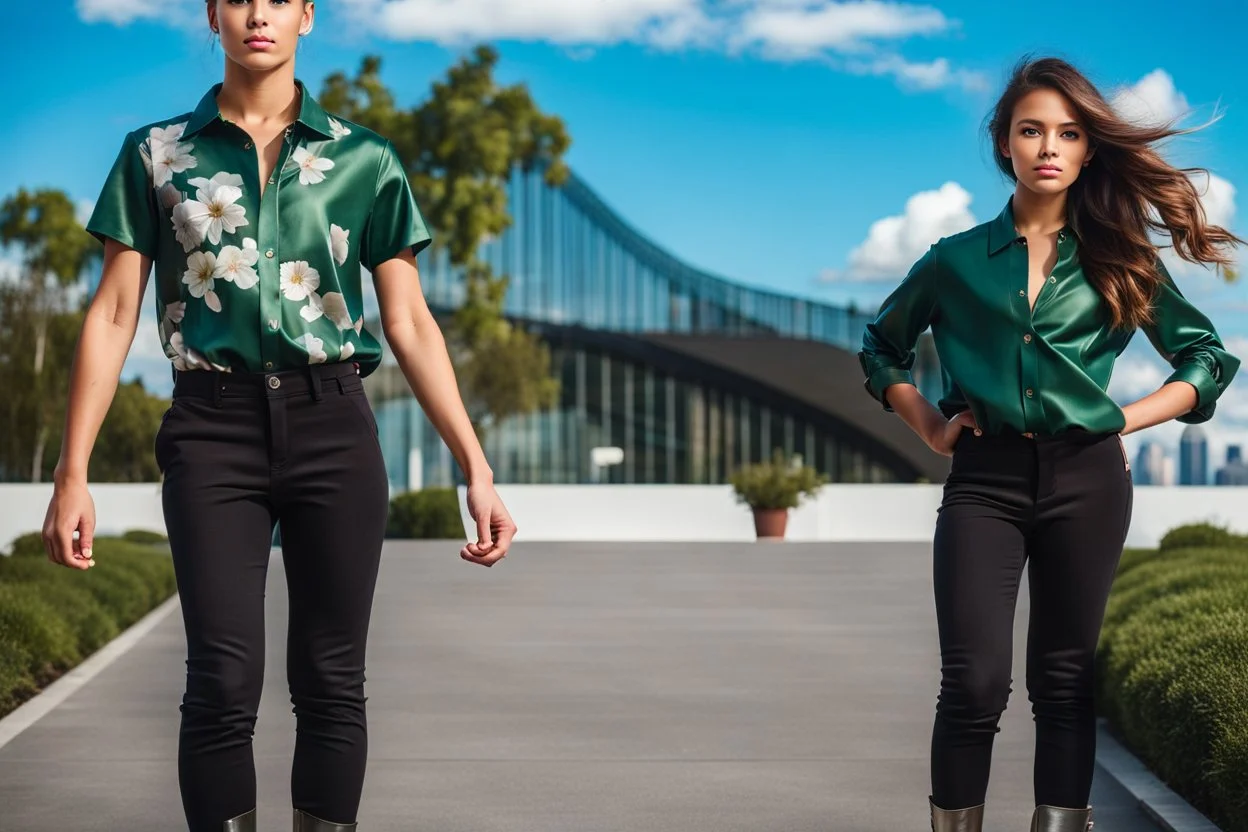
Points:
(255, 282)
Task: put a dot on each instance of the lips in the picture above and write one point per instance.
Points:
(258, 40)
(1049, 169)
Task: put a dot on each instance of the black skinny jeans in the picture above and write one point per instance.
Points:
(1062, 506)
(240, 452)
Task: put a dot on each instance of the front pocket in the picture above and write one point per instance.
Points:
(359, 403)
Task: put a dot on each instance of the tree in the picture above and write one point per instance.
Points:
(459, 148)
(55, 251)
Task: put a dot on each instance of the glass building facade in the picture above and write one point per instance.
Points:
(576, 269)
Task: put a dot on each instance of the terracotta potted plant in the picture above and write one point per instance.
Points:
(772, 489)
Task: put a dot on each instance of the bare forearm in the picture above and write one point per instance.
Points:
(420, 349)
(1170, 402)
(98, 359)
(916, 411)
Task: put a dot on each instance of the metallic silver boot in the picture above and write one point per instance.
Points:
(957, 820)
(1054, 819)
(245, 822)
(307, 823)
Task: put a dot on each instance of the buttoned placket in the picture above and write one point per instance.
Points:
(269, 234)
(1029, 363)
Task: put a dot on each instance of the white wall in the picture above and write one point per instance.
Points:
(118, 507)
(674, 512)
(839, 512)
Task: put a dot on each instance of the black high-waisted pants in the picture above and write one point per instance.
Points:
(1061, 505)
(239, 452)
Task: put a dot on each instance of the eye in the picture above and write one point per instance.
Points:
(1027, 131)
(1072, 133)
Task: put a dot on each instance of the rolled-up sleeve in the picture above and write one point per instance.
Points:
(395, 224)
(887, 353)
(1186, 338)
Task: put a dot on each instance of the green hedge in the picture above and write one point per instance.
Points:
(428, 514)
(1172, 667)
(51, 617)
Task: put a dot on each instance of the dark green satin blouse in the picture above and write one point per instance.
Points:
(1039, 372)
(260, 282)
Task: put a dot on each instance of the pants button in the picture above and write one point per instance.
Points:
(275, 382)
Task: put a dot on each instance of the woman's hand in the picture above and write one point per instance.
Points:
(70, 510)
(495, 528)
(946, 435)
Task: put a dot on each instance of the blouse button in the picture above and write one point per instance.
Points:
(1022, 293)
(273, 324)
(247, 146)
(269, 254)
(1052, 279)
(1027, 338)
(1029, 392)
(268, 365)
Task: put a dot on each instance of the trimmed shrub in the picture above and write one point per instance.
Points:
(28, 545)
(1198, 535)
(1172, 668)
(428, 514)
(51, 617)
(145, 538)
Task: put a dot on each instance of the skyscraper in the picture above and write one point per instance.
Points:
(1193, 457)
(1235, 472)
(1150, 464)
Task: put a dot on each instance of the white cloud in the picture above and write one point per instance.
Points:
(921, 76)
(805, 29)
(1151, 100)
(122, 12)
(830, 30)
(894, 243)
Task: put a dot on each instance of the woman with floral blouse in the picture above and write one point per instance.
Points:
(257, 211)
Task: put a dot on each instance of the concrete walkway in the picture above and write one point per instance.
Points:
(602, 687)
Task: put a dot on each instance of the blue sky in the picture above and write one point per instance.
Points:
(809, 146)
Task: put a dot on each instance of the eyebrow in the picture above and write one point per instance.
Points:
(1041, 123)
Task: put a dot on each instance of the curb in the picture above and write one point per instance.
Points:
(33, 709)
(1163, 806)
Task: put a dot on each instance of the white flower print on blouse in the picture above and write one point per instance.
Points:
(200, 269)
(339, 243)
(186, 232)
(311, 167)
(313, 310)
(314, 346)
(185, 358)
(174, 313)
(222, 178)
(338, 129)
(168, 154)
(169, 196)
(299, 280)
(335, 308)
(348, 350)
(359, 325)
(167, 135)
(213, 211)
(236, 264)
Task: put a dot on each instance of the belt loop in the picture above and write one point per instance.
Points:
(217, 387)
(315, 379)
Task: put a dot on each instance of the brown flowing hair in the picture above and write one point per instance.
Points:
(1110, 206)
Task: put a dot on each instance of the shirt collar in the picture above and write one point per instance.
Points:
(311, 115)
(1001, 232)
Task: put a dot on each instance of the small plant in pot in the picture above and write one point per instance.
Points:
(772, 488)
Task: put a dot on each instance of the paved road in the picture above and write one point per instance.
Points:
(580, 688)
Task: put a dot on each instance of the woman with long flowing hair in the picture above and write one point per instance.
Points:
(1028, 314)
